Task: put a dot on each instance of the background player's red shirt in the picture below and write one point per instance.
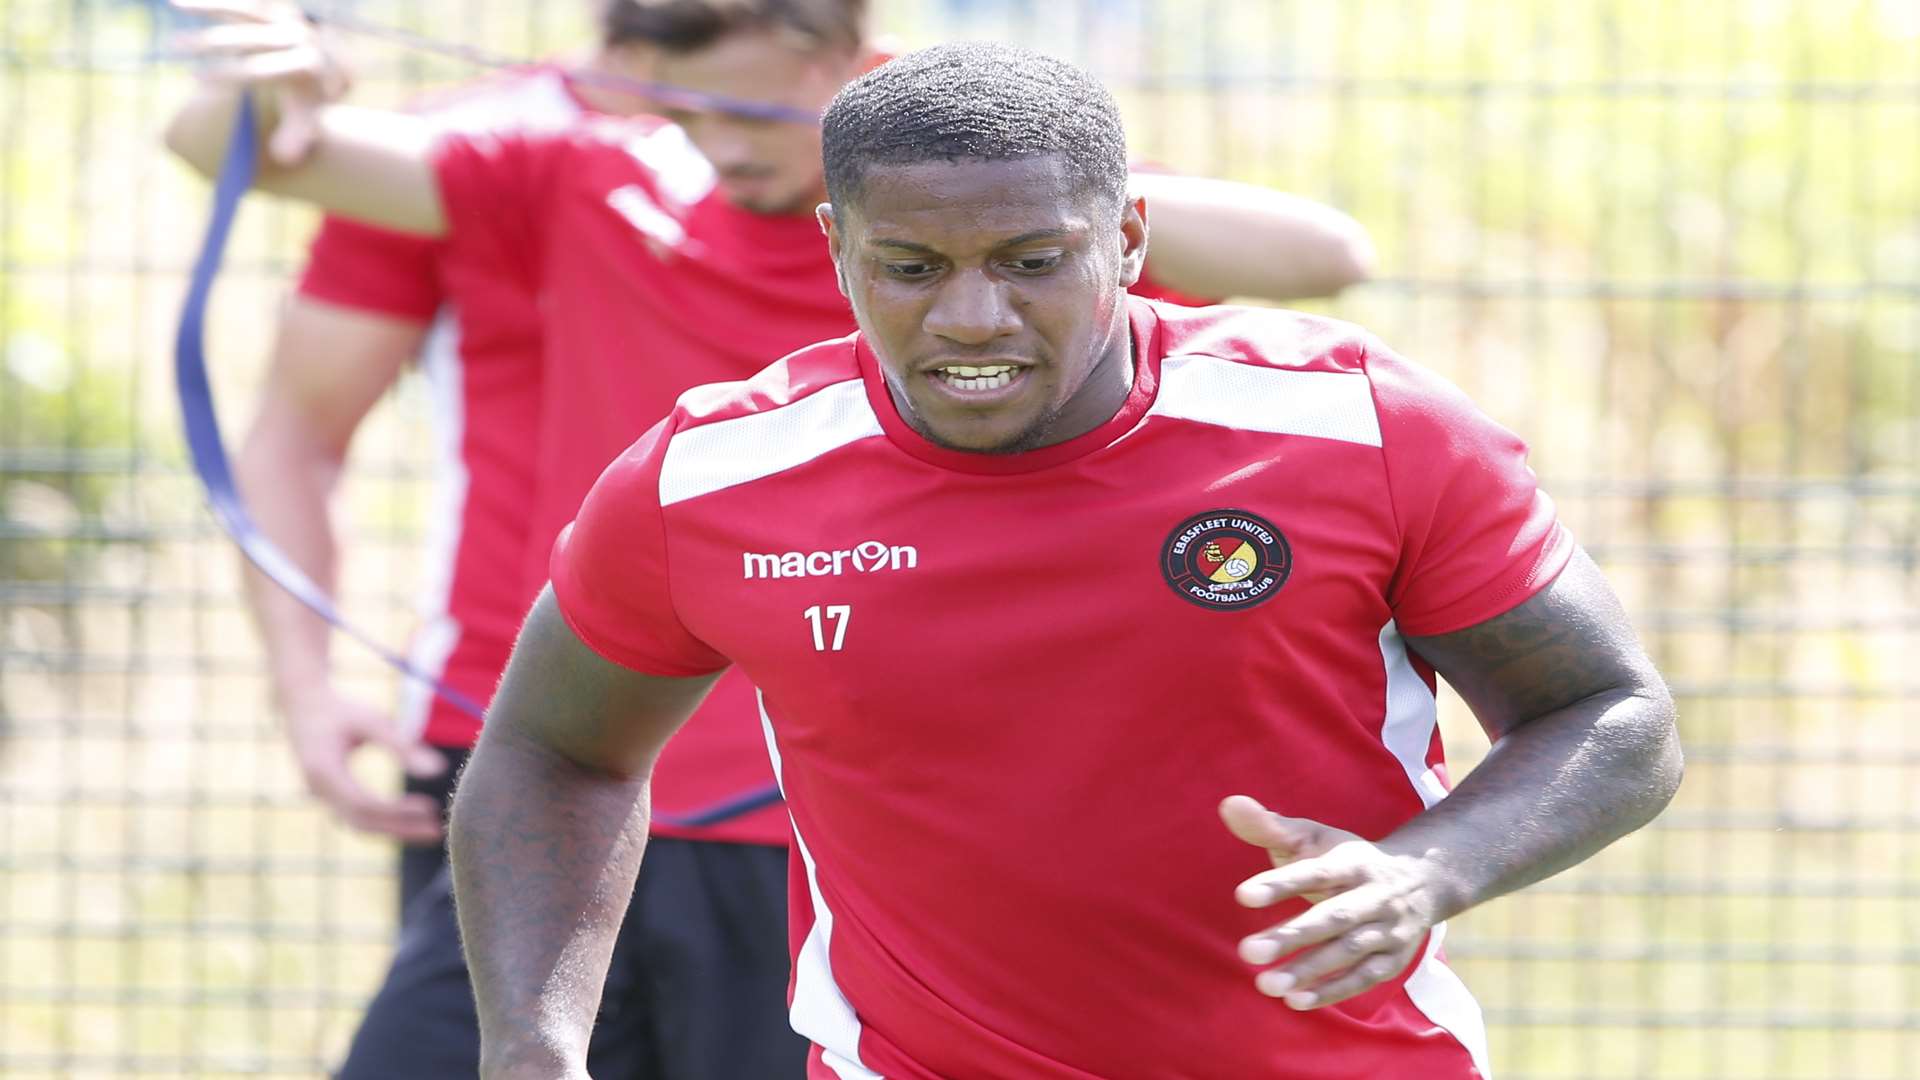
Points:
(649, 282)
(482, 366)
(1006, 693)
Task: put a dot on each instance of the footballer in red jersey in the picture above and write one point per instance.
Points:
(1096, 643)
(655, 267)
(370, 301)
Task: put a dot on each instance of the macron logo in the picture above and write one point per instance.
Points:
(866, 558)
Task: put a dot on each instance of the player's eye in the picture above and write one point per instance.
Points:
(909, 270)
(1034, 264)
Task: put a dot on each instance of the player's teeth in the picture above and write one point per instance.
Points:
(985, 382)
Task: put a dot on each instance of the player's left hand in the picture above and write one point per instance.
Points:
(272, 46)
(1371, 908)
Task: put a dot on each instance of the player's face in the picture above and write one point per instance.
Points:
(768, 167)
(993, 294)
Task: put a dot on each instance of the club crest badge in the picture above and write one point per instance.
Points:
(1226, 559)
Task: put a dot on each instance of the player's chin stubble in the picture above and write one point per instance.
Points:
(1034, 436)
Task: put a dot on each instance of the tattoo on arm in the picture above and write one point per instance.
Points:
(1568, 643)
(1584, 750)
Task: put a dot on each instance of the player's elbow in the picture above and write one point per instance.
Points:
(1344, 257)
(1668, 765)
(187, 133)
(1353, 259)
(178, 138)
(1651, 756)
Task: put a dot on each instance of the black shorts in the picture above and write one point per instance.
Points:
(697, 987)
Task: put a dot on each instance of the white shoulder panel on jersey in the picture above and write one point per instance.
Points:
(1250, 397)
(725, 453)
(684, 175)
(520, 101)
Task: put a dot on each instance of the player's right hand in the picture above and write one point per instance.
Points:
(326, 729)
(271, 46)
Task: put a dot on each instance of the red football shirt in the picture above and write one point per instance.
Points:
(1005, 693)
(650, 282)
(482, 368)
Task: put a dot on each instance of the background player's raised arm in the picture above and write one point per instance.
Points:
(549, 823)
(1222, 238)
(361, 163)
(1584, 752)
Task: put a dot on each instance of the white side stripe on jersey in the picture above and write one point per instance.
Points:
(725, 453)
(1247, 397)
(445, 371)
(530, 102)
(1412, 714)
(820, 1009)
(1438, 992)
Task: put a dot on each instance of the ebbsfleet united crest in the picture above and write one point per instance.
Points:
(1226, 559)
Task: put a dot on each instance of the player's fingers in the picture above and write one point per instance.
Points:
(1308, 877)
(1284, 837)
(291, 138)
(1311, 965)
(422, 761)
(333, 783)
(363, 725)
(303, 64)
(241, 39)
(417, 758)
(297, 130)
(1358, 979)
(1323, 922)
(234, 10)
(412, 818)
(1272, 943)
(260, 70)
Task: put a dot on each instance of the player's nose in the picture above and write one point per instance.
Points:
(971, 308)
(725, 148)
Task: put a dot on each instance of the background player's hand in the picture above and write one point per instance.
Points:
(326, 729)
(269, 45)
(1371, 908)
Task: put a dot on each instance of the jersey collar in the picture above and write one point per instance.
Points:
(1143, 325)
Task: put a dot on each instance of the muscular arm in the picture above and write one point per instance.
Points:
(330, 365)
(365, 164)
(1220, 238)
(549, 823)
(1585, 751)
(1584, 744)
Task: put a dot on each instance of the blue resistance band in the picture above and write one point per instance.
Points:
(659, 93)
(209, 453)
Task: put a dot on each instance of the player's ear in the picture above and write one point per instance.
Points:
(1133, 241)
(830, 226)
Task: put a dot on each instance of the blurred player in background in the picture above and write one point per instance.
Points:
(369, 303)
(591, 271)
(1033, 577)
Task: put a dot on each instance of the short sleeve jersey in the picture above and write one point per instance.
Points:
(482, 366)
(1004, 694)
(649, 282)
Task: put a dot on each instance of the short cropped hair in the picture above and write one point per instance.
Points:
(975, 100)
(684, 26)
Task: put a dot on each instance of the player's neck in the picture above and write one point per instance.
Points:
(1107, 389)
